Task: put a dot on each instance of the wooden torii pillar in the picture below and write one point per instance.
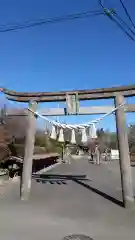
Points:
(28, 157)
(125, 166)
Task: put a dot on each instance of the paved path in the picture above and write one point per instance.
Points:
(55, 211)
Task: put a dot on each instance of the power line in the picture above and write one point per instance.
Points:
(121, 27)
(113, 16)
(124, 23)
(8, 28)
(102, 1)
(127, 13)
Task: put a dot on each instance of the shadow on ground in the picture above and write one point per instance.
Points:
(102, 194)
(63, 179)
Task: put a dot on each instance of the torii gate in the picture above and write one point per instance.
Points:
(72, 98)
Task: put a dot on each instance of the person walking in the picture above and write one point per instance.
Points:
(97, 155)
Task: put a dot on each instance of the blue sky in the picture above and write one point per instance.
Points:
(80, 54)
